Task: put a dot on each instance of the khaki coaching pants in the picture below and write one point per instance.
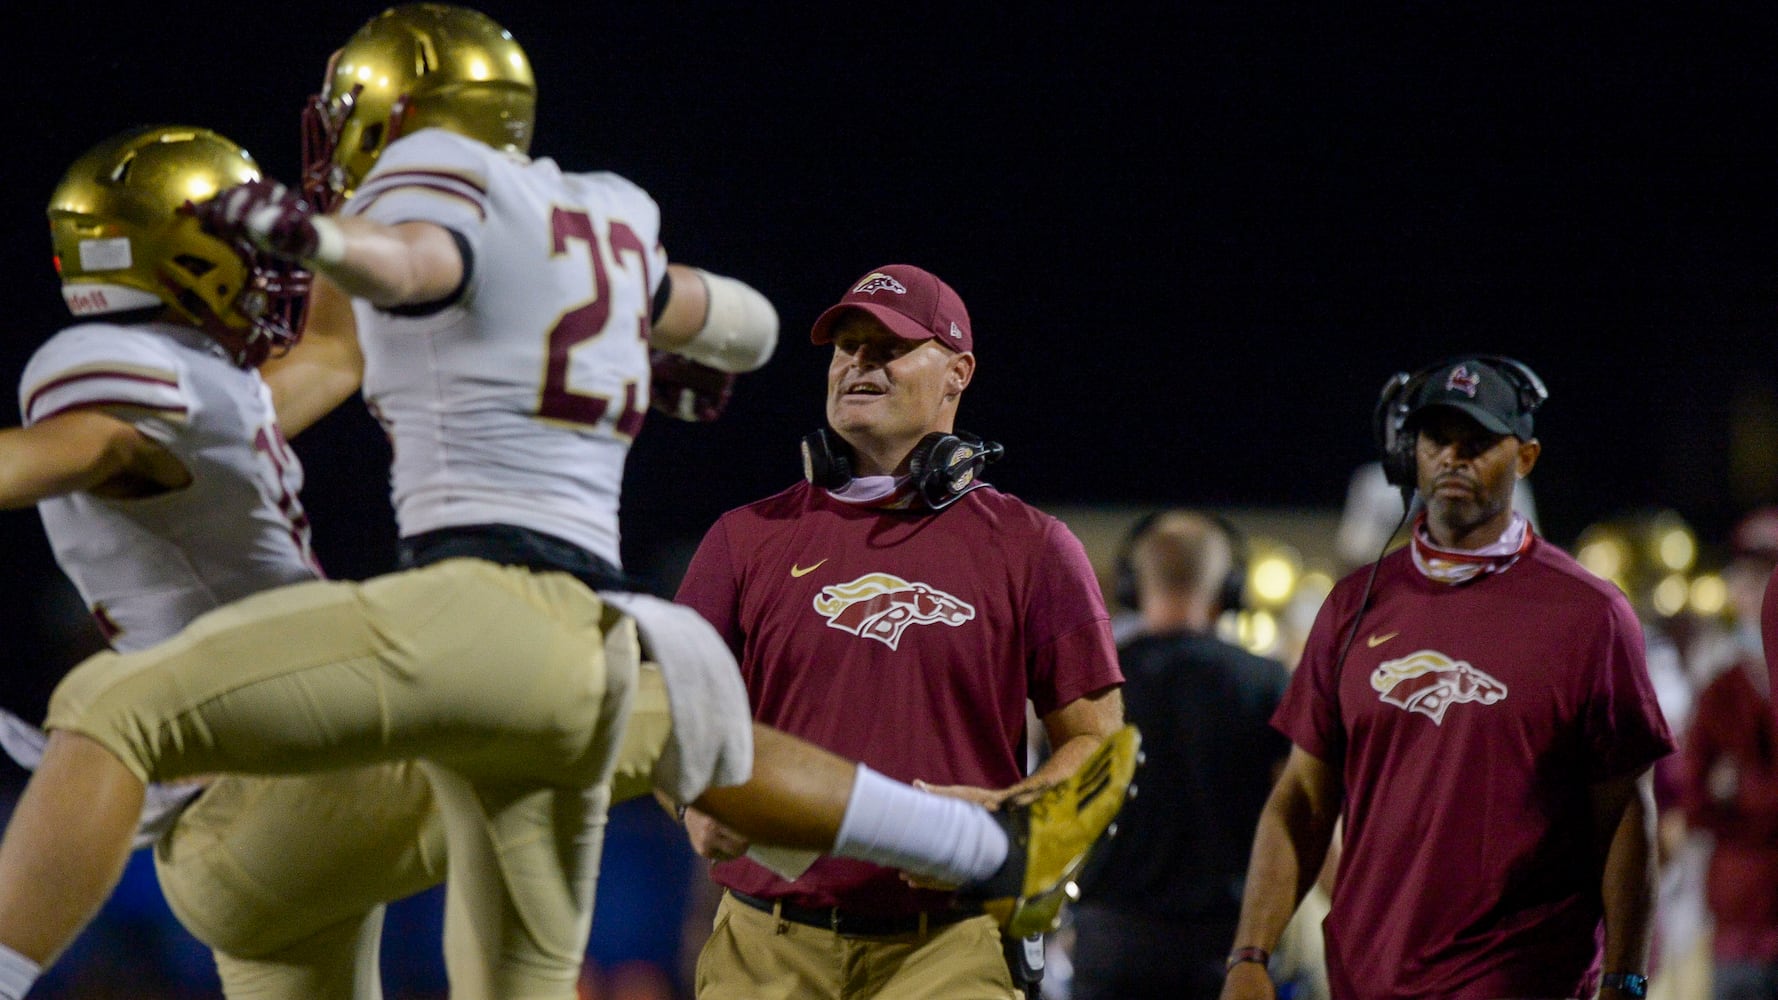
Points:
(752, 955)
(511, 687)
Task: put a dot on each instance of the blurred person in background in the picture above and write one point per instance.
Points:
(1729, 786)
(1159, 907)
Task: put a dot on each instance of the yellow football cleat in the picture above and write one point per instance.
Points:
(1053, 836)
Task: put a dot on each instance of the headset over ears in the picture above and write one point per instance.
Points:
(1389, 420)
(942, 467)
(1231, 594)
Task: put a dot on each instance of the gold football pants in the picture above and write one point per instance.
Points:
(362, 725)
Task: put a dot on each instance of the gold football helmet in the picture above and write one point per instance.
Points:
(123, 244)
(411, 67)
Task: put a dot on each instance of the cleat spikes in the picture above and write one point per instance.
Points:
(1053, 836)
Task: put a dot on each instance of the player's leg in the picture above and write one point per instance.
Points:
(800, 795)
(496, 672)
(796, 796)
(518, 906)
(282, 875)
(646, 733)
(332, 963)
(65, 847)
(525, 857)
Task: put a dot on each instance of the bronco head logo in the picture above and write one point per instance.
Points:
(877, 281)
(881, 607)
(1430, 682)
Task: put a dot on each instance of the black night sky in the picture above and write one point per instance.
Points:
(1194, 239)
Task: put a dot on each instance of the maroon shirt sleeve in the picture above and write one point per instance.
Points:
(711, 589)
(1310, 712)
(1073, 653)
(1625, 725)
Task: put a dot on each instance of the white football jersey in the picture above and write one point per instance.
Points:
(517, 404)
(147, 567)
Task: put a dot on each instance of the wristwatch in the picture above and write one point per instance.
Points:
(1630, 984)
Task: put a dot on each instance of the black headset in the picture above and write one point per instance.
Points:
(1231, 595)
(1389, 420)
(942, 467)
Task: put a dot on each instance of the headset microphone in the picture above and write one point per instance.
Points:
(942, 467)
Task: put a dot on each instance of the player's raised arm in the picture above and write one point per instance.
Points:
(82, 450)
(714, 320)
(323, 369)
(407, 263)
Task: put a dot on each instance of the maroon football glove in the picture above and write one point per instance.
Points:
(686, 390)
(263, 213)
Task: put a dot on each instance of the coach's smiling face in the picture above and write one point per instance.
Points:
(885, 393)
(1467, 474)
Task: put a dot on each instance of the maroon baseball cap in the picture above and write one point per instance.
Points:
(910, 301)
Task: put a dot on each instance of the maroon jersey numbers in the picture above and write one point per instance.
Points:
(579, 325)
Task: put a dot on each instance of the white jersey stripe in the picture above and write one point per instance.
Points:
(120, 407)
(73, 381)
(393, 178)
(481, 210)
(468, 187)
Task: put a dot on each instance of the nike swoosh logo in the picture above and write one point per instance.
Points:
(1373, 640)
(800, 571)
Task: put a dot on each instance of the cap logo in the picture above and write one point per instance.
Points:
(956, 332)
(877, 281)
(1463, 380)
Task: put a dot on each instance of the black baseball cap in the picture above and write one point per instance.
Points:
(1479, 389)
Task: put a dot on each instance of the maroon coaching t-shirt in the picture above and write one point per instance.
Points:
(1468, 723)
(908, 640)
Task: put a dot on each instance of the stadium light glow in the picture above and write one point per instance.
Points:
(1676, 548)
(1260, 633)
(1272, 575)
(1709, 595)
(1606, 556)
(1670, 594)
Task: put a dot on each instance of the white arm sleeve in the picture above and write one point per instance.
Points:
(740, 327)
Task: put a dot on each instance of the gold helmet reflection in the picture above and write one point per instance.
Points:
(122, 244)
(412, 67)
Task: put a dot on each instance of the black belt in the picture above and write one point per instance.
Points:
(510, 545)
(845, 924)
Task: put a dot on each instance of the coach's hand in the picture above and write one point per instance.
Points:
(711, 839)
(988, 798)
